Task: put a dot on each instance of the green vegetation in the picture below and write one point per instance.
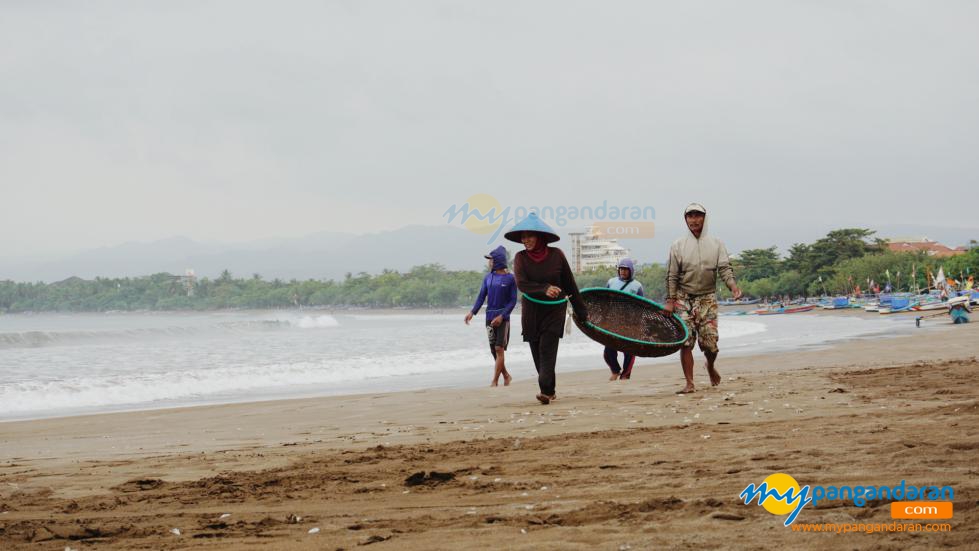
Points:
(652, 277)
(837, 263)
(423, 286)
(429, 286)
(833, 264)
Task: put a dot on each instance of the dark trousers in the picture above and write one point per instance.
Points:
(544, 351)
(612, 359)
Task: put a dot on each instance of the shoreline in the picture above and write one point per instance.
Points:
(465, 379)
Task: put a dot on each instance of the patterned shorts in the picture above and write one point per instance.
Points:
(498, 336)
(700, 314)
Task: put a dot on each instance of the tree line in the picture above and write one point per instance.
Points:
(427, 286)
(834, 264)
(841, 262)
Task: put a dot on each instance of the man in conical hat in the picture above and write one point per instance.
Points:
(696, 261)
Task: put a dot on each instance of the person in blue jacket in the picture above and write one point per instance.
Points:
(499, 290)
(624, 282)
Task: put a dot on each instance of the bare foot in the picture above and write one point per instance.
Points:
(614, 377)
(686, 390)
(715, 377)
(506, 380)
(544, 399)
(494, 383)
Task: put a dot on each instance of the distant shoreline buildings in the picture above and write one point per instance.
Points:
(591, 249)
(923, 244)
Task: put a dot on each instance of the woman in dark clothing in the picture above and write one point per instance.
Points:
(545, 279)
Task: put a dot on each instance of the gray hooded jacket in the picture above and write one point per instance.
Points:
(695, 265)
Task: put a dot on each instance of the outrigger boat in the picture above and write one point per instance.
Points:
(789, 310)
(838, 304)
(739, 302)
(898, 304)
(930, 306)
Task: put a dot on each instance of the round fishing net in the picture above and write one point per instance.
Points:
(630, 323)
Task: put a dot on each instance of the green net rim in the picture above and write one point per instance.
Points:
(547, 302)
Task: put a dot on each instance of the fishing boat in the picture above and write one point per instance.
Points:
(789, 310)
(838, 304)
(929, 306)
(898, 304)
(739, 302)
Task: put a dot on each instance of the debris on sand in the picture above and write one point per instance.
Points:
(432, 478)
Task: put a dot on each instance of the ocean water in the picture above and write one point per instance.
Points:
(71, 364)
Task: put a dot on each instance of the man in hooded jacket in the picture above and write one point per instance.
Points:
(696, 261)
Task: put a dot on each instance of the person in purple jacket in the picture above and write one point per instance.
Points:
(499, 290)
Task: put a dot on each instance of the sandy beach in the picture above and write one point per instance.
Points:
(625, 465)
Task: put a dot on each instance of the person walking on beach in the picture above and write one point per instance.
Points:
(499, 289)
(547, 283)
(626, 283)
(696, 261)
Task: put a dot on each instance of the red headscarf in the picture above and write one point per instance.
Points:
(539, 252)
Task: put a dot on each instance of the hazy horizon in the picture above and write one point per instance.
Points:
(330, 255)
(233, 122)
(965, 233)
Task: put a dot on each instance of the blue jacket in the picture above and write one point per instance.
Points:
(499, 289)
(627, 285)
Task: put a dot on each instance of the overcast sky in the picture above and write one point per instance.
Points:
(233, 120)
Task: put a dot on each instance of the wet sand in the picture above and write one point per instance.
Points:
(608, 465)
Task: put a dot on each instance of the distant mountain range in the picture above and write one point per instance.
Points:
(325, 255)
(330, 255)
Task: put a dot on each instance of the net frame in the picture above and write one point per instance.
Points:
(625, 343)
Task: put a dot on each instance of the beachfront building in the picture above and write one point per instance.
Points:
(923, 244)
(591, 249)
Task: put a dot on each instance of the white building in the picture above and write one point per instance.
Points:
(590, 249)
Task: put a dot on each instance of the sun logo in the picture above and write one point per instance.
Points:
(779, 494)
(481, 214)
(486, 214)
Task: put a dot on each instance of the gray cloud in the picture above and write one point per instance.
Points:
(232, 121)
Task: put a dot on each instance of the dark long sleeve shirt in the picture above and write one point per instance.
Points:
(533, 278)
